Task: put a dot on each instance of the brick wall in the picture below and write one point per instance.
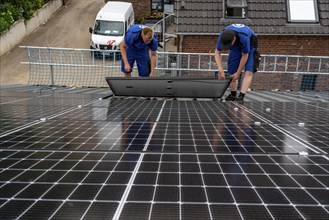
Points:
(295, 45)
(286, 45)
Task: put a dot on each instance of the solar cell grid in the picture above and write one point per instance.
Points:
(164, 158)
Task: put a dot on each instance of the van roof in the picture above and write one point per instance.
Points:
(114, 11)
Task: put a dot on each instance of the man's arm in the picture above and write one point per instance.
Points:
(243, 62)
(123, 50)
(221, 74)
(153, 62)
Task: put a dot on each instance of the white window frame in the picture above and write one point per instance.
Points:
(241, 7)
(302, 11)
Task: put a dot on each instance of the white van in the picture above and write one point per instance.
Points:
(111, 24)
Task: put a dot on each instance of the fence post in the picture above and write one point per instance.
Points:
(52, 75)
(52, 84)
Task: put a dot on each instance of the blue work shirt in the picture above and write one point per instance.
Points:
(135, 43)
(241, 45)
(244, 34)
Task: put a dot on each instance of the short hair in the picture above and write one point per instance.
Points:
(227, 38)
(148, 33)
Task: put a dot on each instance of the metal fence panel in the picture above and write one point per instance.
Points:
(89, 68)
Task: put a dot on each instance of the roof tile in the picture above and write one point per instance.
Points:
(265, 17)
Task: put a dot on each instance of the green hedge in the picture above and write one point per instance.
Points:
(13, 10)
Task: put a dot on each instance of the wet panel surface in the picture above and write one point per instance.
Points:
(161, 158)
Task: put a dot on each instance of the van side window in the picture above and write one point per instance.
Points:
(126, 26)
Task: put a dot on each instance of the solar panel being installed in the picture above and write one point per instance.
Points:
(162, 159)
(191, 87)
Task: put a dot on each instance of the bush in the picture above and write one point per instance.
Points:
(6, 20)
(13, 10)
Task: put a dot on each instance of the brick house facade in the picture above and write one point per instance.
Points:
(298, 43)
(286, 45)
(198, 23)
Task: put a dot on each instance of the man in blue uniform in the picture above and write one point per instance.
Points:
(242, 43)
(137, 42)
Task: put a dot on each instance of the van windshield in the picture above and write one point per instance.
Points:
(109, 28)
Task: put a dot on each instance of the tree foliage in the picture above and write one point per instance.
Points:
(13, 10)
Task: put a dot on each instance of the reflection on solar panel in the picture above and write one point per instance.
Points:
(75, 156)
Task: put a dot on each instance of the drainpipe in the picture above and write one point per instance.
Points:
(180, 56)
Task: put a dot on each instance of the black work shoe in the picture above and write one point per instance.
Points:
(230, 97)
(239, 99)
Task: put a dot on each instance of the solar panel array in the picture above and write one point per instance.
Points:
(78, 156)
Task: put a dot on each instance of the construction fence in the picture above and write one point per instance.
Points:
(89, 68)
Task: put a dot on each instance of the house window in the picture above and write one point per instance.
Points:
(235, 8)
(157, 5)
(302, 11)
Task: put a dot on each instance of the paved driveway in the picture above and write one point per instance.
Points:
(67, 28)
